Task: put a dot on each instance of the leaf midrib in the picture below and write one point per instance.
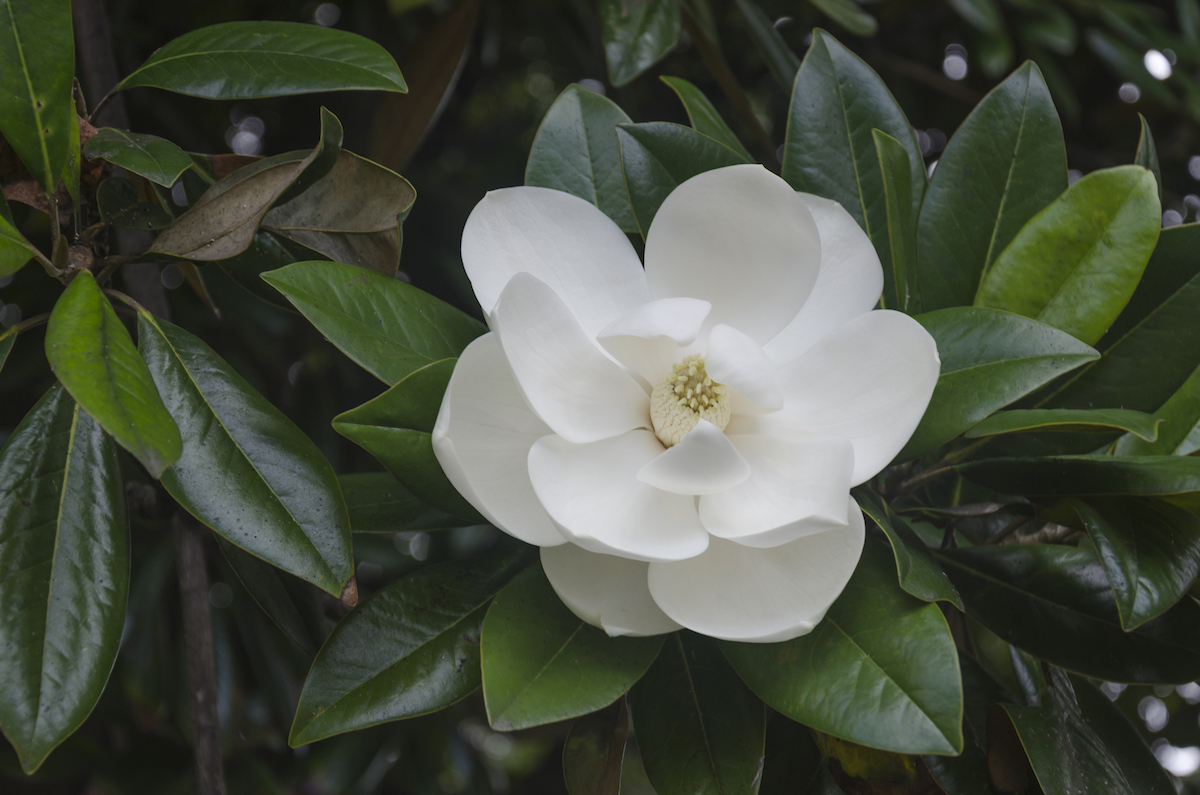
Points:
(32, 96)
(532, 680)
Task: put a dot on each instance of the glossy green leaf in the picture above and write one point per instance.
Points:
(292, 604)
(1084, 475)
(15, 250)
(879, 670)
(830, 150)
(967, 773)
(989, 359)
(396, 428)
(793, 764)
(700, 729)
(154, 158)
(849, 15)
(1077, 625)
(1179, 431)
(93, 356)
(637, 34)
(781, 61)
(248, 60)
(378, 503)
(246, 470)
(576, 151)
(901, 221)
(330, 216)
(388, 327)
(703, 117)
(36, 112)
(119, 205)
(64, 548)
(223, 221)
(543, 664)
(1135, 760)
(983, 15)
(266, 252)
(1005, 163)
(657, 156)
(1150, 551)
(1147, 154)
(7, 339)
(1143, 426)
(1075, 265)
(409, 649)
(594, 750)
(918, 573)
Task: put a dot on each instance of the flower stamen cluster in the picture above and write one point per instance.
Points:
(686, 396)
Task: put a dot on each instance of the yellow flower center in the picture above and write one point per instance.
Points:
(686, 396)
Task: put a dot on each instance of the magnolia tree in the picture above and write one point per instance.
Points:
(829, 475)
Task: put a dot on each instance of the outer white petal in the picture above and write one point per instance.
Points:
(572, 386)
(647, 339)
(738, 593)
(795, 488)
(848, 285)
(742, 239)
(482, 438)
(737, 361)
(559, 238)
(704, 462)
(869, 382)
(606, 591)
(592, 493)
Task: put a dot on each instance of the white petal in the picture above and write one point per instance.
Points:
(733, 592)
(795, 488)
(739, 362)
(592, 493)
(848, 285)
(561, 239)
(742, 239)
(606, 591)
(869, 382)
(647, 339)
(578, 391)
(482, 438)
(704, 462)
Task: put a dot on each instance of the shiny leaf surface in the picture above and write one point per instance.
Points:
(1143, 426)
(901, 222)
(703, 117)
(154, 158)
(378, 503)
(1136, 761)
(967, 773)
(919, 574)
(1074, 475)
(637, 34)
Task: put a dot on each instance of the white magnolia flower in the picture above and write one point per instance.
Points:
(680, 439)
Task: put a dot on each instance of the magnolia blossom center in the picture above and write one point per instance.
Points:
(686, 396)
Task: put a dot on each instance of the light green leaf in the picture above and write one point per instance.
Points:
(637, 34)
(901, 221)
(154, 158)
(248, 60)
(64, 548)
(15, 250)
(703, 117)
(93, 356)
(1143, 426)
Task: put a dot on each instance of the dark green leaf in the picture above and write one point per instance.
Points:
(378, 503)
(830, 149)
(15, 250)
(119, 205)
(542, 664)
(919, 574)
(780, 59)
(1144, 426)
(968, 772)
(1127, 64)
(576, 151)
(1147, 154)
(388, 327)
(1077, 625)
(1179, 432)
(637, 34)
(1004, 164)
(703, 117)
(1150, 551)
(989, 359)
(223, 221)
(594, 751)
(248, 60)
(396, 428)
(983, 15)
(246, 470)
(64, 548)
(409, 649)
(657, 156)
(700, 729)
(266, 252)
(1075, 265)
(793, 764)
(291, 603)
(1076, 475)
(36, 112)
(901, 221)
(1143, 772)
(849, 15)
(880, 669)
(154, 158)
(93, 356)
(330, 216)
(6, 343)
